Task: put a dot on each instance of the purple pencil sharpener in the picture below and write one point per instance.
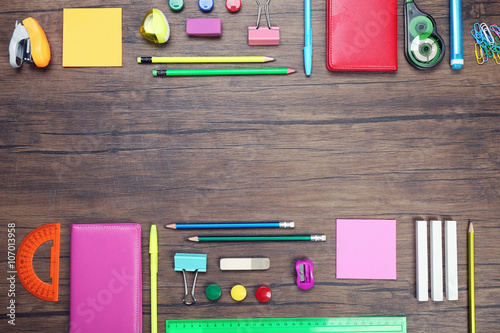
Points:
(305, 278)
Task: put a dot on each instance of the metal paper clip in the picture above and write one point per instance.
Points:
(262, 36)
(487, 33)
(190, 262)
(480, 58)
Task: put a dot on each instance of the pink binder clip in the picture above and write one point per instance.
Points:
(261, 35)
(305, 278)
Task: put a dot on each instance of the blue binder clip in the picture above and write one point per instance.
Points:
(190, 262)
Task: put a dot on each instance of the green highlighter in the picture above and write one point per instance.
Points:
(289, 325)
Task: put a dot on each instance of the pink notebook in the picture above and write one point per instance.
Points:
(106, 278)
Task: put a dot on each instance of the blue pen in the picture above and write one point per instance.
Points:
(237, 225)
(456, 38)
(308, 49)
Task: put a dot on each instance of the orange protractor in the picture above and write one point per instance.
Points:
(24, 261)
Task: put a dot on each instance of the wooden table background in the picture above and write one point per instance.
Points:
(116, 145)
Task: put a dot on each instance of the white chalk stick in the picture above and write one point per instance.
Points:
(244, 264)
(422, 261)
(450, 260)
(436, 261)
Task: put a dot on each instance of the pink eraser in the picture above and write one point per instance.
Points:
(263, 36)
(204, 27)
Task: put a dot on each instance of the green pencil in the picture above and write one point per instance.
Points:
(223, 71)
(311, 238)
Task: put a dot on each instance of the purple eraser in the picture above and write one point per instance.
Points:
(204, 27)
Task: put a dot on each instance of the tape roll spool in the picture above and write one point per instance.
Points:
(424, 47)
(421, 26)
(425, 50)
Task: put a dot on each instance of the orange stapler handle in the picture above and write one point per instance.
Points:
(40, 50)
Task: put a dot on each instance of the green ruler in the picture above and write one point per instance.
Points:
(289, 325)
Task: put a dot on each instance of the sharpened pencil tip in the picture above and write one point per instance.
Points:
(267, 59)
(193, 239)
(290, 71)
(471, 227)
(171, 226)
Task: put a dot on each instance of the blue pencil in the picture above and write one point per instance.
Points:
(231, 225)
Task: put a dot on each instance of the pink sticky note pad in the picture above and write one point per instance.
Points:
(366, 249)
(204, 27)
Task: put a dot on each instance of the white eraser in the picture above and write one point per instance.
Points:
(450, 256)
(244, 264)
(422, 261)
(436, 261)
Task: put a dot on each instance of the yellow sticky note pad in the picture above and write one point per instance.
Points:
(92, 37)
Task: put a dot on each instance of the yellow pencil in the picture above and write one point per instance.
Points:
(472, 304)
(201, 60)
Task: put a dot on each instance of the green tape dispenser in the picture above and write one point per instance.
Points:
(424, 47)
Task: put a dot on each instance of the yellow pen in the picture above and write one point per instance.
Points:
(202, 60)
(472, 303)
(153, 251)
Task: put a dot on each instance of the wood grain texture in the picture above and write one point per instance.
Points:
(90, 145)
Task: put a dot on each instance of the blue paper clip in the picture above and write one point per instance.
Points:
(190, 262)
(477, 34)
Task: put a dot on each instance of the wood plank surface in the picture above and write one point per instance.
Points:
(116, 145)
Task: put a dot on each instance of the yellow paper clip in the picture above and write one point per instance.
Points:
(478, 50)
(496, 56)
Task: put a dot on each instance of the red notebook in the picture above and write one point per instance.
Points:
(361, 35)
